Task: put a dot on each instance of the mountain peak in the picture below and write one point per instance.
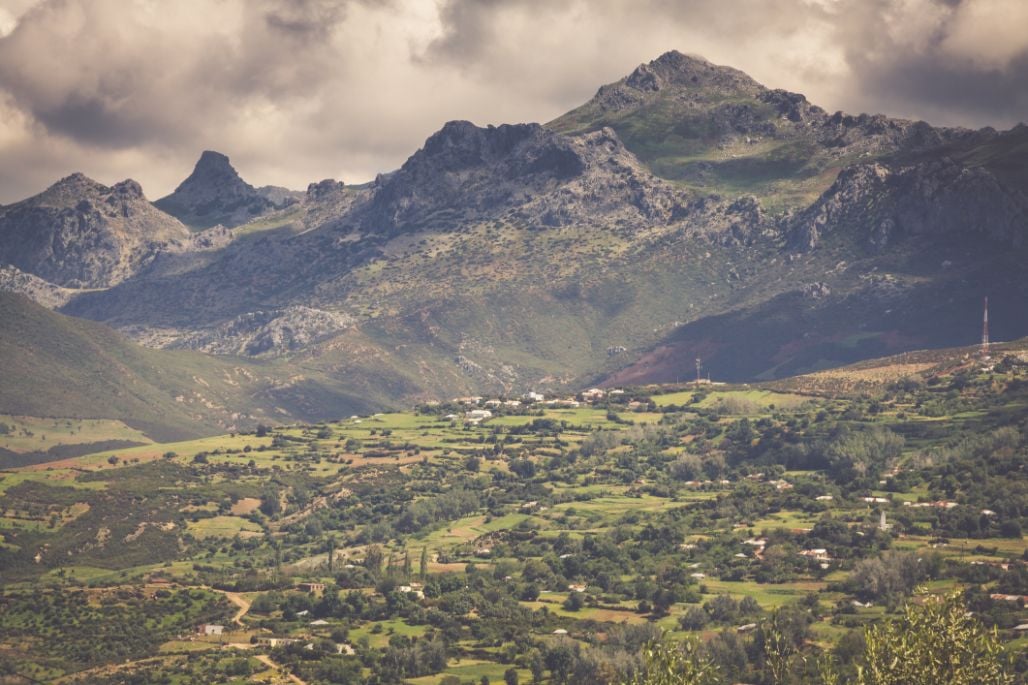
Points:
(77, 180)
(128, 188)
(210, 159)
(215, 194)
(213, 166)
(79, 233)
(677, 69)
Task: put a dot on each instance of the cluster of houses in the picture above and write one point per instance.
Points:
(480, 408)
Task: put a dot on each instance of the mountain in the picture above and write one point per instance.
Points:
(82, 234)
(59, 366)
(215, 194)
(525, 173)
(685, 211)
(713, 129)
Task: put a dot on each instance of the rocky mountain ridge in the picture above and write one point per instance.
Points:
(684, 211)
(82, 234)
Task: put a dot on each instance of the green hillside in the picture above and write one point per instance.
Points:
(58, 366)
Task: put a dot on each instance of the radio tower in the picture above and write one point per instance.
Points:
(698, 371)
(985, 329)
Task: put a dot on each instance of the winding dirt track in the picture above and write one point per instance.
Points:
(266, 660)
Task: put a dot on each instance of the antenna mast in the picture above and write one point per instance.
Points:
(985, 329)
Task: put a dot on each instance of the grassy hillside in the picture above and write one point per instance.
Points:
(58, 366)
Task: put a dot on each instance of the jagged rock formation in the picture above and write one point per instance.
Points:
(82, 234)
(215, 194)
(522, 173)
(268, 333)
(878, 205)
(14, 280)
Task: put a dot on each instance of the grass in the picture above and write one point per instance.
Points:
(472, 670)
(30, 434)
(391, 627)
(769, 596)
(224, 527)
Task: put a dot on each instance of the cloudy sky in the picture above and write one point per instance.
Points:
(299, 90)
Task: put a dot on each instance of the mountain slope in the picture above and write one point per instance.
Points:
(214, 193)
(82, 234)
(58, 366)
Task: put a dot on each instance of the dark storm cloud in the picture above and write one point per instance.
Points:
(967, 62)
(297, 90)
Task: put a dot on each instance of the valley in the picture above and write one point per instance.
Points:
(539, 540)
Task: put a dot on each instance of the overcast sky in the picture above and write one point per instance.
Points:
(299, 90)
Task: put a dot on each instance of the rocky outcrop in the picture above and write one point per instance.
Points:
(879, 204)
(269, 332)
(215, 194)
(14, 280)
(82, 234)
(522, 173)
(673, 72)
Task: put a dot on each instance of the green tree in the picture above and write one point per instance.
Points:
(933, 642)
(668, 663)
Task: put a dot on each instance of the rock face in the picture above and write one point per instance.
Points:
(215, 194)
(521, 172)
(14, 280)
(82, 234)
(268, 332)
(879, 204)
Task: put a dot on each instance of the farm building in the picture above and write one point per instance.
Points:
(275, 641)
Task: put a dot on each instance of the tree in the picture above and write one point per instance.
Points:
(331, 551)
(936, 641)
(560, 659)
(423, 567)
(510, 676)
(667, 663)
(270, 503)
(574, 602)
